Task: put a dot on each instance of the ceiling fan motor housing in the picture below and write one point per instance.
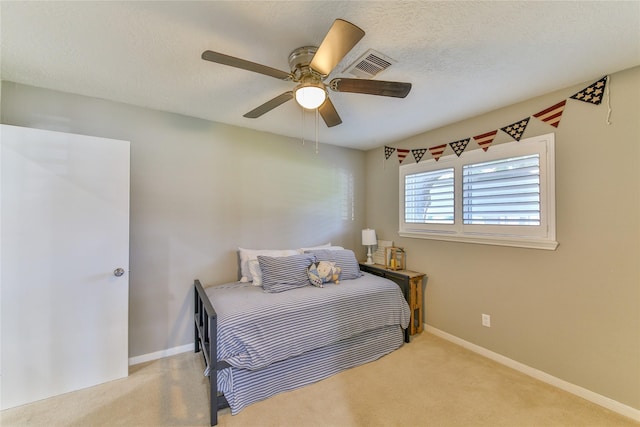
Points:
(299, 61)
(311, 86)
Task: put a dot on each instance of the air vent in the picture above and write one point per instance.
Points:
(369, 65)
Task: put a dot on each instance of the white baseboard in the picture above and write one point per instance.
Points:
(589, 395)
(160, 354)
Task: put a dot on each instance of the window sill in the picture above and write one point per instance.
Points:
(519, 242)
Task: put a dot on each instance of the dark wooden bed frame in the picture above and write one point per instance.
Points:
(205, 339)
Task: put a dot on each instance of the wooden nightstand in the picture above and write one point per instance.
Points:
(411, 284)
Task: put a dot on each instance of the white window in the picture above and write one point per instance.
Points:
(504, 196)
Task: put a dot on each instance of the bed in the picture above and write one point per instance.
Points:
(258, 340)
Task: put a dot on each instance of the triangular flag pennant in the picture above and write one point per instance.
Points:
(459, 146)
(388, 151)
(551, 115)
(437, 151)
(515, 130)
(485, 140)
(402, 153)
(592, 93)
(418, 153)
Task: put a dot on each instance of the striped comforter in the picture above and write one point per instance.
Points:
(281, 341)
(257, 329)
(242, 387)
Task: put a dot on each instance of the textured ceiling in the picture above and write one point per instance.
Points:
(463, 58)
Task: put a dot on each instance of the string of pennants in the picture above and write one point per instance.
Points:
(592, 94)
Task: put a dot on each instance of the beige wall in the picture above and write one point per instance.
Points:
(198, 191)
(573, 312)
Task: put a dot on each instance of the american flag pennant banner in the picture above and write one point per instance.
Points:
(418, 153)
(388, 151)
(593, 93)
(485, 140)
(552, 115)
(437, 151)
(459, 146)
(402, 153)
(515, 130)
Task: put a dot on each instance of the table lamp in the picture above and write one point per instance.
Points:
(369, 239)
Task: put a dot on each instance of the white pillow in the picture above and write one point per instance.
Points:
(247, 255)
(327, 247)
(256, 272)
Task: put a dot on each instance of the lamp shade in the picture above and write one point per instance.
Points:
(369, 237)
(310, 96)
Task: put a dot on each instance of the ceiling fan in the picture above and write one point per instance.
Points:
(310, 65)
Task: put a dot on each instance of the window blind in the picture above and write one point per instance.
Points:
(502, 192)
(429, 197)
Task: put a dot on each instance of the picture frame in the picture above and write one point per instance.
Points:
(379, 254)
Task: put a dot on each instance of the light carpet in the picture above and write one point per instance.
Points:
(430, 382)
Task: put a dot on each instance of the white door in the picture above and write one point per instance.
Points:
(64, 230)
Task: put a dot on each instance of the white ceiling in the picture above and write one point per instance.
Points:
(463, 58)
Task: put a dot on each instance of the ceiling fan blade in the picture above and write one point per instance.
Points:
(232, 61)
(329, 113)
(371, 87)
(269, 105)
(340, 39)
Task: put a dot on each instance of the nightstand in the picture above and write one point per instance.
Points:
(411, 284)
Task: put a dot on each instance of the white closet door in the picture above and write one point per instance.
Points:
(64, 230)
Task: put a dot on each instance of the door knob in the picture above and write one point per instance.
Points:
(118, 272)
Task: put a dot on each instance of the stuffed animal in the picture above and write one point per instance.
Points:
(323, 272)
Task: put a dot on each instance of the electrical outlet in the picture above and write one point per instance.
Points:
(486, 320)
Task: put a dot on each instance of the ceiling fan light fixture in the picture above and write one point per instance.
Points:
(310, 96)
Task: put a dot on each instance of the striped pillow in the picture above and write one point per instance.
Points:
(247, 255)
(345, 259)
(285, 273)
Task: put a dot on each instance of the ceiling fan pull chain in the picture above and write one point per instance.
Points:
(317, 123)
(302, 125)
(608, 100)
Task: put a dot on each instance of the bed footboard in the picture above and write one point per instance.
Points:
(205, 336)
